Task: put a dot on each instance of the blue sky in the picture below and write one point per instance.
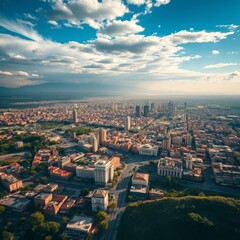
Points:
(148, 46)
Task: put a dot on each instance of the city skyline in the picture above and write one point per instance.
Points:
(133, 46)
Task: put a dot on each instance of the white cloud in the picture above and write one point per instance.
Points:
(54, 23)
(22, 73)
(215, 52)
(118, 27)
(161, 2)
(220, 65)
(136, 2)
(230, 27)
(91, 12)
(5, 73)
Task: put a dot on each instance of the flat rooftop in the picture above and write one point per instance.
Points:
(80, 223)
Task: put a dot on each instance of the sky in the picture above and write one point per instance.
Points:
(154, 47)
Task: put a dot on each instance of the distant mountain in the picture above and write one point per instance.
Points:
(84, 89)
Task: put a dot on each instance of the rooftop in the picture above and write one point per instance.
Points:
(80, 223)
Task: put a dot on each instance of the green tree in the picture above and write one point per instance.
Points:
(65, 220)
(2, 209)
(168, 180)
(7, 235)
(84, 192)
(103, 226)
(113, 205)
(36, 220)
(51, 227)
(43, 180)
(101, 216)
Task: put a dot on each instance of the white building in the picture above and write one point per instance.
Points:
(140, 179)
(85, 172)
(99, 200)
(104, 172)
(127, 125)
(79, 227)
(170, 167)
(189, 162)
(148, 150)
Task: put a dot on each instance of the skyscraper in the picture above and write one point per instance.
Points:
(127, 125)
(166, 143)
(75, 117)
(138, 110)
(102, 135)
(171, 108)
(146, 110)
(94, 143)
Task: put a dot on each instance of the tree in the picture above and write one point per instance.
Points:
(84, 192)
(168, 180)
(65, 220)
(103, 226)
(201, 194)
(101, 216)
(7, 235)
(51, 227)
(43, 180)
(36, 219)
(2, 209)
(113, 205)
(21, 221)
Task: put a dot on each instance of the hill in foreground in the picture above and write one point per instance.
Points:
(182, 219)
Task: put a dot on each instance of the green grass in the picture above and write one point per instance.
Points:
(182, 219)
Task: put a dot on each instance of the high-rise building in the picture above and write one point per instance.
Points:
(138, 110)
(127, 125)
(171, 108)
(75, 117)
(94, 142)
(103, 172)
(146, 110)
(166, 143)
(102, 136)
(152, 107)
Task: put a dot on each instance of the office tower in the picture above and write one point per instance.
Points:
(138, 110)
(102, 136)
(152, 107)
(75, 118)
(146, 110)
(127, 125)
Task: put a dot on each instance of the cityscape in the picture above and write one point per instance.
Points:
(119, 119)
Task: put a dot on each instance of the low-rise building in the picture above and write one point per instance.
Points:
(85, 172)
(170, 167)
(42, 199)
(10, 182)
(59, 173)
(155, 194)
(148, 150)
(15, 204)
(79, 227)
(54, 206)
(99, 200)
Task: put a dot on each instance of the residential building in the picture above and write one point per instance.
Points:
(85, 172)
(75, 116)
(99, 200)
(42, 199)
(79, 227)
(104, 172)
(11, 182)
(127, 125)
(53, 207)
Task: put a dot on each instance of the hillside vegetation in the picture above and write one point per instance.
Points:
(182, 219)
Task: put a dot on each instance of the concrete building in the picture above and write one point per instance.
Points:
(148, 150)
(104, 172)
(127, 125)
(155, 194)
(53, 207)
(189, 162)
(63, 161)
(170, 167)
(79, 227)
(10, 182)
(99, 200)
(42, 199)
(166, 143)
(85, 172)
(140, 179)
(115, 161)
(94, 142)
(15, 204)
(75, 116)
(102, 136)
